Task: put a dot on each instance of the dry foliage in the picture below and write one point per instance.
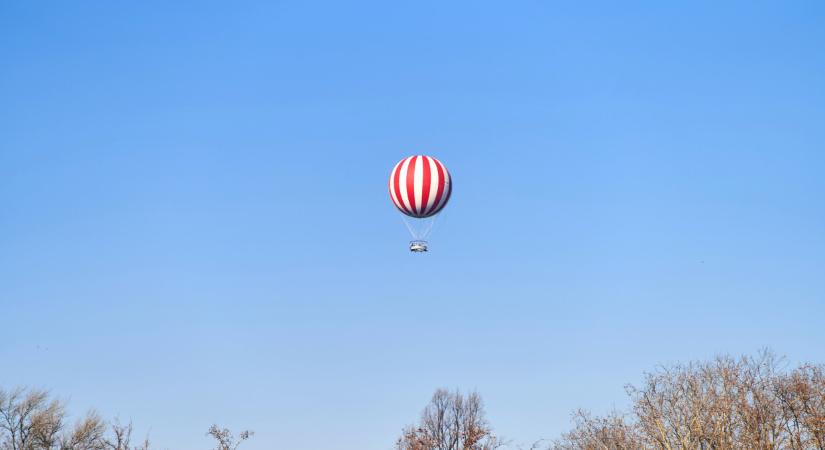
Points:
(451, 421)
(724, 404)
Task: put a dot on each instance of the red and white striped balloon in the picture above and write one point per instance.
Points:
(420, 186)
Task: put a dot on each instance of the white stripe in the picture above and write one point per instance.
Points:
(418, 182)
(403, 184)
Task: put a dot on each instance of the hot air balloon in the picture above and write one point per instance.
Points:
(420, 187)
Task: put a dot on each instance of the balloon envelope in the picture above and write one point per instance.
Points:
(420, 186)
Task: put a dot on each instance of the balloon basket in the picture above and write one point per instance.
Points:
(418, 246)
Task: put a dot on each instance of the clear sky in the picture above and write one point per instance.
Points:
(195, 227)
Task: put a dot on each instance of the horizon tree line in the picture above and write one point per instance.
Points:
(746, 403)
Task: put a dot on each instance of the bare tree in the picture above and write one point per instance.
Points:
(226, 440)
(724, 404)
(121, 438)
(88, 434)
(451, 421)
(801, 397)
(30, 421)
(600, 433)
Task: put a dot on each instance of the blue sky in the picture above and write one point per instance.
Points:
(195, 228)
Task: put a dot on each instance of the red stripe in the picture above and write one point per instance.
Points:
(396, 180)
(425, 189)
(448, 186)
(411, 184)
(389, 184)
(392, 184)
(440, 191)
(448, 182)
(449, 190)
